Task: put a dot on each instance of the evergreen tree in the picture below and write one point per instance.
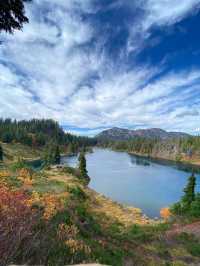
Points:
(39, 133)
(189, 191)
(189, 205)
(1, 153)
(195, 206)
(47, 156)
(12, 15)
(51, 155)
(82, 165)
(57, 155)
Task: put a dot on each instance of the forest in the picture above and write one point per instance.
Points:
(40, 132)
(176, 149)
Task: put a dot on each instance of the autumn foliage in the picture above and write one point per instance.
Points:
(69, 235)
(26, 176)
(165, 213)
(17, 220)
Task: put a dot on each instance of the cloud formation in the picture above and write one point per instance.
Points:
(59, 67)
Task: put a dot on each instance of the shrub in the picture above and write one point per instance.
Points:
(17, 220)
(71, 171)
(138, 233)
(19, 164)
(191, 243)
(77, 193)
(195, 207)
(194, 249)
(165, 213)
(176, 209)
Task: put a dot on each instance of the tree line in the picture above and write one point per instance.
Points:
(147, 146)
(39, 132)
(42, 133)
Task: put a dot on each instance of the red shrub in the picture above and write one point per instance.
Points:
(16, 223)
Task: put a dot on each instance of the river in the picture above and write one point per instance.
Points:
(135, 181)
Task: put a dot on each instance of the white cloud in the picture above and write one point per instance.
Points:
(47, 66)
(167, 12)
(160, 13)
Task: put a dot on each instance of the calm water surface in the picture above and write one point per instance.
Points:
(134, 181)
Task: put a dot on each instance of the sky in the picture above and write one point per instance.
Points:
(97, 64)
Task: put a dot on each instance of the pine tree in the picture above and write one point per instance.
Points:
(12, 15)
(1, 153)
(57, 155)
(189, 191)
(49, 155)
(82, 165)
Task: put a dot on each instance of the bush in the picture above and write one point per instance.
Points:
(195, 207)
(17, 220)
(176, 209)
(191, 243)
(194, 249)
(71, 171)
(77, 193)
(138, 233)
(19, 164)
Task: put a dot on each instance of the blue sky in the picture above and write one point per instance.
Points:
(92, 65)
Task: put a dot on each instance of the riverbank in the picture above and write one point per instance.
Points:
(186, 164)
(192, 163)
(101, 204)
(65, 223)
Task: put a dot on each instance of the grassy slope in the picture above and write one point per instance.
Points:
(14, 150)
(111, 233)
(96, 228)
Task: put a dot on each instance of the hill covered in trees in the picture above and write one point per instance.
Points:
(180, 149)
(38, 133)
(127, 134)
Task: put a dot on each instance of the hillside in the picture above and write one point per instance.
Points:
(127, 134)
(154, 143)
(65, 222)
(37, 133)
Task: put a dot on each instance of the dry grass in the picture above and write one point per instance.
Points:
(15, 150)
(124, 215)
(100, 204)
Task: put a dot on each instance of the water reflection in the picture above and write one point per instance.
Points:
(139, 161)
(141, 182)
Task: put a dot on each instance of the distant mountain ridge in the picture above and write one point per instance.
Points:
(116, 133)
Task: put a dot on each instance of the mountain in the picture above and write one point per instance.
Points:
(125, 134)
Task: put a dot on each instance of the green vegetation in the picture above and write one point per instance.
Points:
(189, 205)
(189, 191)
(185, 149)
(12, 151)
(1, 153)
(51, 155)
(57, 155)
(68, 224)
(190, 242)
(18, 164)
(136, 144)
(38, 133)
(82, 165)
